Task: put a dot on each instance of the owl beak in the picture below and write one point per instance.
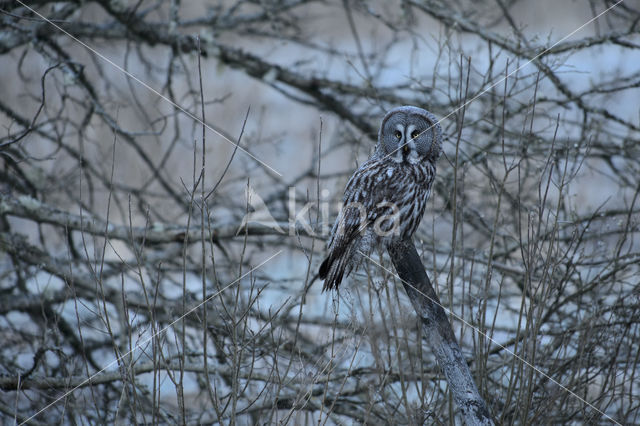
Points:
(406, 147)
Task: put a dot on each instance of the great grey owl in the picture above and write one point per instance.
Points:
(385, 198)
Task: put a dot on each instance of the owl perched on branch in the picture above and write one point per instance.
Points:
(385, 198)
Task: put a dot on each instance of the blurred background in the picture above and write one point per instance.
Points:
(169, 172)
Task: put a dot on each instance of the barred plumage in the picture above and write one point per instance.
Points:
(385, 198)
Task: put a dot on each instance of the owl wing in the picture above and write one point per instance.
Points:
(341, 248)
(358, 212)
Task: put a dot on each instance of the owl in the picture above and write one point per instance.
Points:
(385, 198)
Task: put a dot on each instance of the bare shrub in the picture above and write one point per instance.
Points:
(157, 270)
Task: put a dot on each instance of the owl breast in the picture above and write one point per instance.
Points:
(394, 195)
(409, 189)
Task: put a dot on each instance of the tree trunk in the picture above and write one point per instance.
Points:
(438, 333)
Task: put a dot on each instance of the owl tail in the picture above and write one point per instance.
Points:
(332, 271)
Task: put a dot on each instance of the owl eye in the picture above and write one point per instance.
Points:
(415, 134)
(397, 134)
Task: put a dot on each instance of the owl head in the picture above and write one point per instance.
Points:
(409, 134)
